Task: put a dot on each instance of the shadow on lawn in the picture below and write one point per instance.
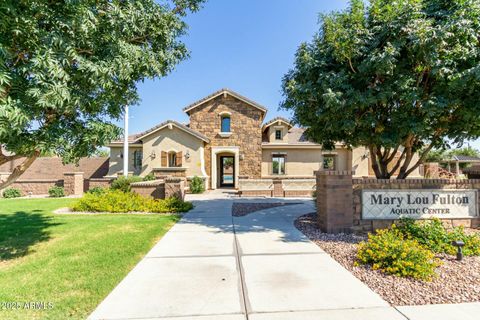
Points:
(20, 230)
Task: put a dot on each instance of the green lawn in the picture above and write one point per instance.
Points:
(71, 261)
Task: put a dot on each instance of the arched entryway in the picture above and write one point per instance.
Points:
(225, 167)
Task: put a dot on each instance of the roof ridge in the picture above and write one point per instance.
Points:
(223, 90)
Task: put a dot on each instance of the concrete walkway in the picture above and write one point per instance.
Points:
(213, 266)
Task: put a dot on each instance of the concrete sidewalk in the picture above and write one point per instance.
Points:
(213, 266)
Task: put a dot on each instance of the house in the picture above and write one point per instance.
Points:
(227, 140)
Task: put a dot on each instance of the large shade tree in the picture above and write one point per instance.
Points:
(399, 77)
(68, 68)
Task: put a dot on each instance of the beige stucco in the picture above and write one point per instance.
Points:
(360, 163)
(167, 139)
(274, 127)
(116, 161)
(302, 162)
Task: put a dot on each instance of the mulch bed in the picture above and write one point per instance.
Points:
(457, 281)
(240, 209)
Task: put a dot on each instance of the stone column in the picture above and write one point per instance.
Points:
(175, 187)
(278, 188)
(73, 183)
(335, 201)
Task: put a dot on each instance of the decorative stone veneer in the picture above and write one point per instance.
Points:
(36, 186)
(97, 182)
(175, 187)
(73, 183)
(168, 172)
(154, 189)
(334, 201)
(245, 127)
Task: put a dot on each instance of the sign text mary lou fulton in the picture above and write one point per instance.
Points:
(419, 204)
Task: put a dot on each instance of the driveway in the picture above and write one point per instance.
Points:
(211, 265)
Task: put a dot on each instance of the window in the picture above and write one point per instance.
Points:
(278, 164)
(278, 134)
(225, 123)
(172, 159)
(329, 162)
(137, 159)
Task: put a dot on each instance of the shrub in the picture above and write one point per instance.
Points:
(149, 177)
(56, 192)
(388, 251)
(97, 190)
(12, 193)
(433, 235)
(123, 183)
(117, 201)
(197, 185)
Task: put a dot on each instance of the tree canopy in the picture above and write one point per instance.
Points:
(68, 68)
(399, 77)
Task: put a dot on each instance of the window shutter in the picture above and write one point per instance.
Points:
(164, 159)
(179, 159)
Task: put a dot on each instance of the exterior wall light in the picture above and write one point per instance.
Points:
(187, 155)
(459, 244)
(153, 155)
(120, 156)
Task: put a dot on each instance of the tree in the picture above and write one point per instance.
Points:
(67, 68)
(399, 77)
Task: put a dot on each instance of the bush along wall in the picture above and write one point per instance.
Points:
(117, 201)
(409, 248)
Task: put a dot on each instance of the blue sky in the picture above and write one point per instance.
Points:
(244, 45)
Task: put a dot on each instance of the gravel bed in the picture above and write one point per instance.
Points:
(240, 209)
(457, 281)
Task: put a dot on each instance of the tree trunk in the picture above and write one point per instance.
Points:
(19, 170)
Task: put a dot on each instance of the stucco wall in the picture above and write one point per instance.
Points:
(271, 133)
(167, 139)
(116, 162)
(173, 140)
(302, 162)
(361, 163)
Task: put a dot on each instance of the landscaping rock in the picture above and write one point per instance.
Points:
(457, 281)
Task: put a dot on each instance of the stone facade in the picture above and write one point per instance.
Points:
(36, 186)
(175, 187)
(154, 189)
(245, 127)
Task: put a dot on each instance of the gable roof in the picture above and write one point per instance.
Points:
(252, 103)
(275, 121)
(135, 138)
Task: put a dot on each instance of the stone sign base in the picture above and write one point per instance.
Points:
(339, 200)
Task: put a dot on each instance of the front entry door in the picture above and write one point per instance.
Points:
(227, 171)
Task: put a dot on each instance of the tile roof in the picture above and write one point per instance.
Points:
(219, 92)
(276, 119)
(138, 136)
(466, 158)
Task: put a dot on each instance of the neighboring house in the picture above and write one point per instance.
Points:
(226, 140)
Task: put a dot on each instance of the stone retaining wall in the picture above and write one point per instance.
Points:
(276, 187)
(154, 189)
(36, 186)
(97, 182)
(161, 189)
